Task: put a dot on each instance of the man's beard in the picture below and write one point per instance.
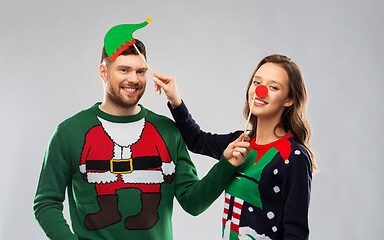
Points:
(116, 99)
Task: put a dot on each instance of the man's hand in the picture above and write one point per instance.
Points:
(169, 178)
(84, 176)
(237, 151)
(168, 84)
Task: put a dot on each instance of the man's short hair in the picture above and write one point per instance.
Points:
(129, 51)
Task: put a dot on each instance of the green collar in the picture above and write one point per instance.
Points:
(119, 119)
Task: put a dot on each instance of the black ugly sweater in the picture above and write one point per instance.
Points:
(269, 199)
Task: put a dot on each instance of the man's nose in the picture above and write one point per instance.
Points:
(132, 78)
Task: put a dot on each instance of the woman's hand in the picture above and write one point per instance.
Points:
(237, 151)
(168, 84)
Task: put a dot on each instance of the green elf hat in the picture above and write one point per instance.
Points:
(119, 38)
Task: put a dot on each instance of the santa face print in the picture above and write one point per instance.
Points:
(275, 78)
(125, 80)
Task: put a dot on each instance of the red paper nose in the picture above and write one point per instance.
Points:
(261, 91)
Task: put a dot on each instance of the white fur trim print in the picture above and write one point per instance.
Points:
(126, 152)
(143, 176)
(117, 151)
(227, 230)
(123, 134)
(82, 168)
(245, 232)
(104, 177)
(121, 152)
(168, 168)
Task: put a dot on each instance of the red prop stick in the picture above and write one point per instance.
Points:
(261, 91)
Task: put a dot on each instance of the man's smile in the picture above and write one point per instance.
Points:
(130, 89)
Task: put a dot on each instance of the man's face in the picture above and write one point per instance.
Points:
(124, 80)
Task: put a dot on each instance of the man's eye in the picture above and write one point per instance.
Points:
(123, 70)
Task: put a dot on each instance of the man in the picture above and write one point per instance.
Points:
(122, 165)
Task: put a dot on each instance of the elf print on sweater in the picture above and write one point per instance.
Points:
(254, 201)
(270, 197)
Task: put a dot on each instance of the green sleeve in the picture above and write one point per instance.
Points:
(54, 178)
(195, 195)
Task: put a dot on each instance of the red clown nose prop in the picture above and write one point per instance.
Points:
(261, 91)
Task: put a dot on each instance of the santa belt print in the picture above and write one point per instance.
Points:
(124, 165)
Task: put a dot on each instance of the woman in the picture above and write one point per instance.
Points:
(269, 199)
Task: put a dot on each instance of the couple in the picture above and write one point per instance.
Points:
(122, 164)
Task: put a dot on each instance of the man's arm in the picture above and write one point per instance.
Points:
(54, 178)
(195, 195)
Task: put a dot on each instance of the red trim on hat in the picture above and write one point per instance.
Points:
(121, 49)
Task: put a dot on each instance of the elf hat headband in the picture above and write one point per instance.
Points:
(119, 38)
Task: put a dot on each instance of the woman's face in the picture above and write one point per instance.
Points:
(275, 78)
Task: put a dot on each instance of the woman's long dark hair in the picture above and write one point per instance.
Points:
(293, 119)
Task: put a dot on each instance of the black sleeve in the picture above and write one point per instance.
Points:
(296, 193)
(198, 141)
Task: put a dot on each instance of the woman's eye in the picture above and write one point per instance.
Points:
(273, 88)
(256, 82)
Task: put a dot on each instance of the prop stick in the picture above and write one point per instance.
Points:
(261, 91)
(250, 113)
(142, 57)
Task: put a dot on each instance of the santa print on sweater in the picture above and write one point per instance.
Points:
(125, 155)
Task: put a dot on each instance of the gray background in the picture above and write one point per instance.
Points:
(49, 61)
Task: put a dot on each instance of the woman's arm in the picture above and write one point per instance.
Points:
(197, 140)
(296, 193)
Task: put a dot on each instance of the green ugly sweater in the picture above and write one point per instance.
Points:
(121, 175)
